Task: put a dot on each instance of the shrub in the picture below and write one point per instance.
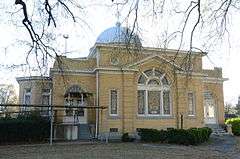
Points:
(162, 135)
(191, 136)
(24, 129)
(148, 135)
(199, 135)
(179, 136)
(152, 135)
(127, 138)
(208, 132)
(196, 136)
(235, 122)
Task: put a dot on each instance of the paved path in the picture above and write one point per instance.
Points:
(226, 145)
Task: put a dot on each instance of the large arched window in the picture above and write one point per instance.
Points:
(153, 93)
(75, 96)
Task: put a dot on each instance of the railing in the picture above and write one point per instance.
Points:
(73, 119)
(55, 114)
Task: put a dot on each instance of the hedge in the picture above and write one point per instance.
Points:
(152, 135)
(191, 136)
(127, 138)
(24, 129)
(235, 122)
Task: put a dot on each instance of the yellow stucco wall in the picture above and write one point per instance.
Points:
(217, 90)
(62, 82)
(36, 86)
(123, 78)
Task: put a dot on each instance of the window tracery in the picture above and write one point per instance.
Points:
(153, 93)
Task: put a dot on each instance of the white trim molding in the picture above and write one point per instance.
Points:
(46, 78)
(151, 57)
(146, 50)
(92, 72)
(214, 80)
(184, 73)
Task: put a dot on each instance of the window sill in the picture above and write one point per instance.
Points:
(191, 117)
(155, 117)
(113, 117)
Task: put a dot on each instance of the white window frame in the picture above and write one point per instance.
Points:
(193, 102)
(27, 94)
(145, 87)
(47, 94)
(24, 98)
(109, 107)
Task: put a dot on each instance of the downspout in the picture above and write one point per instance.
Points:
(123, 122)
(177, 98)
(97, 96)
(97, 104)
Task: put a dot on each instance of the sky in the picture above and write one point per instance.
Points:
(96, 18)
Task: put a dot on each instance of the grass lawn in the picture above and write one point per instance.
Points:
(111, 150)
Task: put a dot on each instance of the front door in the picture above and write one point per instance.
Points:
(209, 110)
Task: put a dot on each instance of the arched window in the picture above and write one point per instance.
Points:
(75, 96)
(153, 93)
(153, 82)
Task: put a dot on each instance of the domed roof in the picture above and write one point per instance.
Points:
(118, 35)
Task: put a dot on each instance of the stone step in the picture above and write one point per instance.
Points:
(220, 132)
(84, 132)
(217, 130)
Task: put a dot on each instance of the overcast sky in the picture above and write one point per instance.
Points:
(98, 18)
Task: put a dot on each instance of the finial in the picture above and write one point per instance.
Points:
(117, 14)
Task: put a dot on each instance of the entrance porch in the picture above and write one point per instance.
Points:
(76, 120)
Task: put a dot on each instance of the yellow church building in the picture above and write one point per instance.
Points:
(135, 86)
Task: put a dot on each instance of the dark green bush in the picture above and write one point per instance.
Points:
(127, 138)
(195, 135)
(208, 132)
(162, 135)
(191, 136)
(152, 135)
(179, 136)
(235, 122)
(24, 129)
(199, 135)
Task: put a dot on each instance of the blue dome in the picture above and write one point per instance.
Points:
(118, 35)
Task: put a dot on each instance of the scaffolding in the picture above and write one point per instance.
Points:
(50, 112)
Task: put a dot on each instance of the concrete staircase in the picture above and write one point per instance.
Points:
(84, 132)
(217, 130)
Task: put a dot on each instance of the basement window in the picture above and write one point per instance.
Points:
(113, 129)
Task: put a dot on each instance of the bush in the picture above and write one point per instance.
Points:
(126, 138)
(199, 135)
(179, 136)
(235, 122)
(191, 136)
(152, 135)
(24, 129)
(196, 136)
